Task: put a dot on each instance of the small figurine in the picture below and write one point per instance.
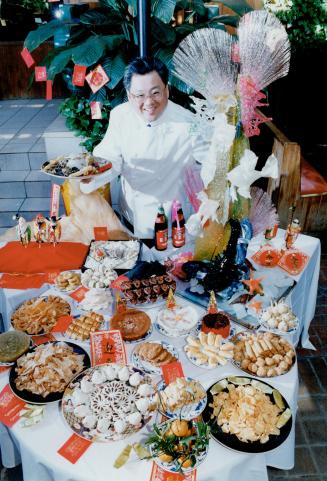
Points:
(40, 229)
(23, 230)
(292, 232)
(170, 302)
(212, 305)
(54, 229)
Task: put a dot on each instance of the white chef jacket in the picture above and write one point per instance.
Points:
(151, 158)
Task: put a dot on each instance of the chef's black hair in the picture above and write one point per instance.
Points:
(142, 66)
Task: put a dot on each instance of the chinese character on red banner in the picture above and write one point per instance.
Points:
(97, 78)
(40, 74)
(79, 75)
(48, 94)
(96, 110)
(27, 57)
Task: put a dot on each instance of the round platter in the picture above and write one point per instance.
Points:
(187, 412)
(166, 333)
(147, 366)
(231, 440)
(69, 177)
(32, 398)
(32, 315)
(174, 467)
(244, 336)
(206, 365)
(70, 287)
(99, 406)
(186, 318)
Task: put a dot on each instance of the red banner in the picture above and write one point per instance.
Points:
(10, 407)
(74, 448)
(107, 346)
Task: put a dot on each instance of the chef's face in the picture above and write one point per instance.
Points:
(148, 95)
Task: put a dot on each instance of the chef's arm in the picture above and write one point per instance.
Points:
(108, 149)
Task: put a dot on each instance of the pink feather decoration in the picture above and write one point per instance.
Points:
(263, 213)
(193, 184)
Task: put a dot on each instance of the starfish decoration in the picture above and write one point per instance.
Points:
(256, 306)
(254, 286)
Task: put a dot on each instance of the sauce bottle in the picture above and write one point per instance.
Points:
(178, 225)
(161, 230)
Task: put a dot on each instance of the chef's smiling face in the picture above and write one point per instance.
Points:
(148, 95)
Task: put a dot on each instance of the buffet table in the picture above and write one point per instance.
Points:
(38, 445)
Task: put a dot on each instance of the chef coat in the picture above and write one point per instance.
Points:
(151, 158)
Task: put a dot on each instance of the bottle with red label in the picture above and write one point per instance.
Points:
(178, 225)
(161, 230)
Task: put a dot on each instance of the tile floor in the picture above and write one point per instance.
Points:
(20, 125)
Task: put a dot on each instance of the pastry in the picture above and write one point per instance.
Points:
(154, 353)
(132, 323)
(208, 350)
(40, 314)
(178, 320)
(108, 402)
(68, 281)
(12, 345)
(139, 291)
(82, 326)
(280, 317)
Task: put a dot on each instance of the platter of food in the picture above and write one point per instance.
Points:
(263, 354)
(41, 375)
(68, 281)
(113, 254)
(247, 415)
(37, 316)
(13, 344)
(82, 326)
(183, 398)
(147, 291)
(208, 350)
(150, 356)
(179, 446)
(99, 277)
(108, 402)
(177, 321)
(279, 318)
(97, 300)
(134, 325)
(74, 166)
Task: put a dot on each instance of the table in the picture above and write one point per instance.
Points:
(38, 445)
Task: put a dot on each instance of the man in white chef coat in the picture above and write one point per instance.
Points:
(149, 144)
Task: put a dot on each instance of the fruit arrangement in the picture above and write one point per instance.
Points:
(179, 446)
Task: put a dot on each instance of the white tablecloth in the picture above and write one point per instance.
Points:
(38, 445)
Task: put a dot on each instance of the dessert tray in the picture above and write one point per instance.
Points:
(113, 254)
(208, 350)
(134, 325)
(37, 316)
(41, 375)
(147, 291)
(81, 166)
(247, 415)
(279, 318)
(82, 326)
(263, 354)
(67, 281)
(150, 356)
(184, 398)
(108, 402)
(177, 321)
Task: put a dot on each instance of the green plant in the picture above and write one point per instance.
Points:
(35, 5)
(305, 21)
(107, 35)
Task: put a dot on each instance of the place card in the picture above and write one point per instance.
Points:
(159, 474)
(54, 204)
(62, 324)
(48, 90)
(74, 448)
(79, 75)
(79, 294)
(107, 346)
(52, 276)
(96, 113)
(97, 78)
(37, 340)
(172, 371)
(116, 284)
(10, 407)
(27, 57)
(101, 233)
(40, 74)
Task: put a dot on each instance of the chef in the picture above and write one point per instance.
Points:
(149, 144)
